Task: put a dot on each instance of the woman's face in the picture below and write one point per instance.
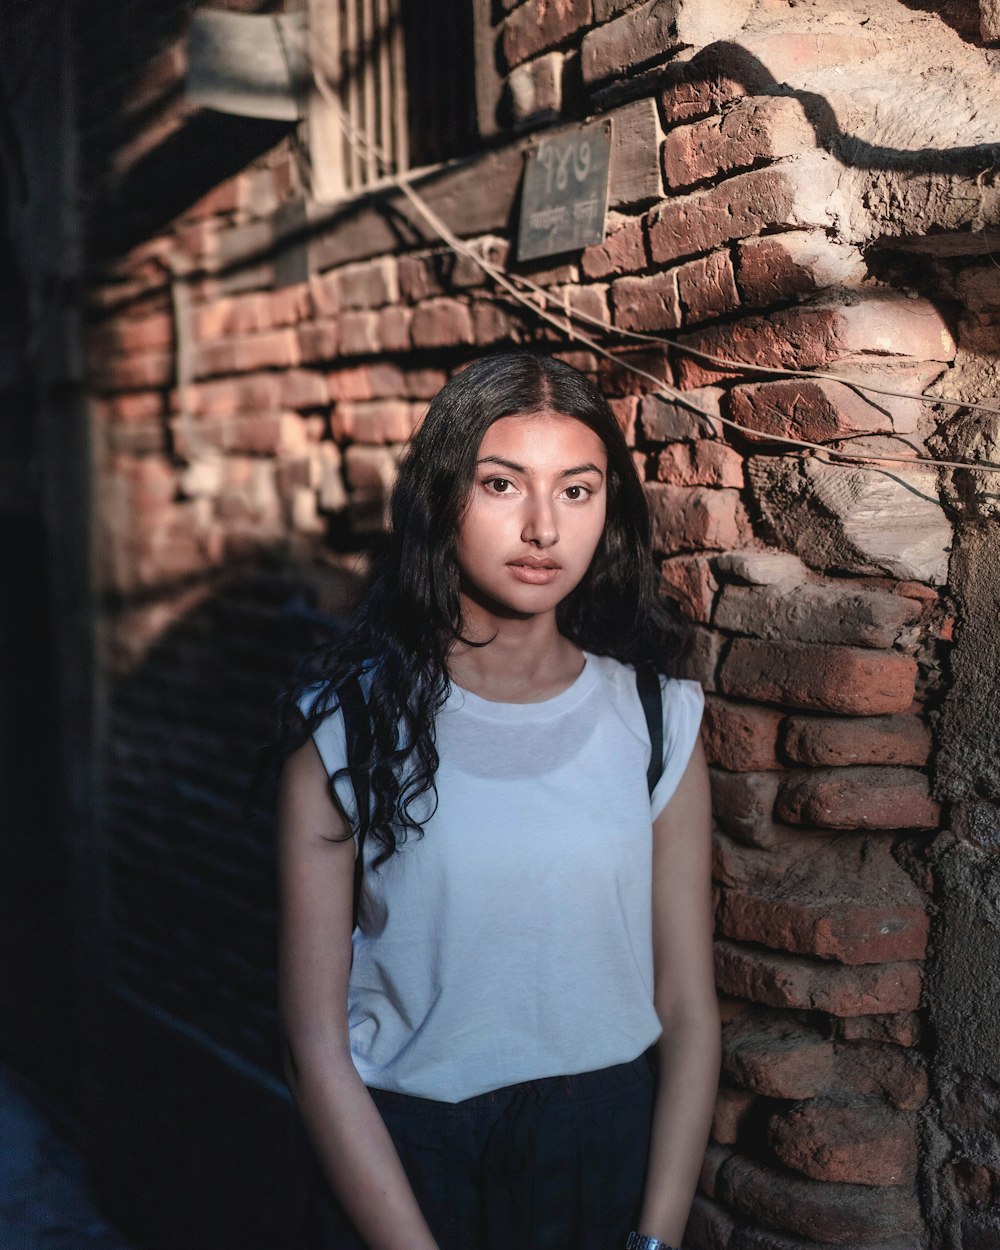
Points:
(535, 513)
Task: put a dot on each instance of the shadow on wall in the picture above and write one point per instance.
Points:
(191, 1045)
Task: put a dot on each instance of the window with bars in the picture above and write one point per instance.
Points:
(401, 75)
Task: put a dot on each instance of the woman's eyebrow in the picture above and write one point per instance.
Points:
(519, 468)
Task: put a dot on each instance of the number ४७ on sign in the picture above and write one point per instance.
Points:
(560, 157)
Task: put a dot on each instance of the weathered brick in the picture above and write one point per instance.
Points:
(535, 90)
(274, 349)
(693, 89)
(589, 303)
(731, 1109)
(753, 130)
(493, 322)
(818, 411)
(705, 462)
(359, 333)
(849, 680)
(794, 264)
(762, 568)
(377, 421)
(791, 981)
(813, 336)
(127, 335)
(819, 1211)
(371, 284)
(864, 1144)
(689, 582)
(831, 928)
(860, 797)
(132, 373)
(644, 33)
(705, 288)
(647, 303)
(371, 469)
(685, 518)
(903, 1029)
(634, 173)
(695, 652)
(442, 323)
(614, 378)
(622, 251)
(709, 1227)
(627, 414)
(739, 736)
(542, 24)
(835, 741)
(663, 420)
(871, 1070)
(743, 804)
(813, 613)
(796, 192)
(423, 383)
(776, 1055)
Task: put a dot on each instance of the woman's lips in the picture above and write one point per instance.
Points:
(534, 574)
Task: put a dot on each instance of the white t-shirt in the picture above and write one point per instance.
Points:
(513, 939)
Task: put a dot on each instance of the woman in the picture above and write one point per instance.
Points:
(472, 1068)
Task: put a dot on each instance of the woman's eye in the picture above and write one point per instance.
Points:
(576, 492)
(498, 485)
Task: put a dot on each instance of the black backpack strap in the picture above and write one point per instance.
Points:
(647, 682)
(358, 731)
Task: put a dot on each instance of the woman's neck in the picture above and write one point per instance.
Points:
(522, 661)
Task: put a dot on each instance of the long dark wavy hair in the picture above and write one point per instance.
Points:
(410, 616)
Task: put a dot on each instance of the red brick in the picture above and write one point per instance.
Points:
(663, 420)
(696, 654)
(252, 393)
(325, 295)
(831, 928)
(302, 388)
(359, 333)
(627, 413)
(858, 798)
(794, 264)
(542, 24)
(753, 130)
(903, 1029)
(254, 435)
(739, 736)
(743, 804)
(132, 373)
(127, 335)
(685, 518)
(731, 1108)
(319, 340)
(692, 89)
(709, 1226)
(371, 284)
(706, 289)
(646, 303)
(535, 89)
(136, 406)
(849, 680)
(442, 323)
(689, 582)
(423, 383)
(776, 1055)
(819, 1211)
(835, 741)
(393, 330)
(702, 463)
(891, 1073)
(793, 193)
(615, 379)
(812, 613)
(818, 411)
(289, 305)
(377, 421)
(274, 349)
(791, 981)
(864, 1144)
(589, 302)
(643, 34)
(623, 251)
(809, 337)
(493, 322)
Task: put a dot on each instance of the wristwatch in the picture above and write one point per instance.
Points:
(638, 1241)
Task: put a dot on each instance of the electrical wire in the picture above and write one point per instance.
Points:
(508, 282)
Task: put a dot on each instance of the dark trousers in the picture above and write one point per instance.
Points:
(553, 1164)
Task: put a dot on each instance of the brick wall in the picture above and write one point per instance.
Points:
(252, 387)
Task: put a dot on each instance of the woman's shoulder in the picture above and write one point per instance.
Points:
(623, 676)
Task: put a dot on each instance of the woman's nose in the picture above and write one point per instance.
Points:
(540, 524)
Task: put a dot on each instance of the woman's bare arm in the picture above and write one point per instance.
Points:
(317, 885)
(685, 1002)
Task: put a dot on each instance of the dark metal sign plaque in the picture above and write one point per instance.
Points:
(565, 196)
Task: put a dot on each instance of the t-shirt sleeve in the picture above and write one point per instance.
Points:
(330, 736)
(683, 704)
